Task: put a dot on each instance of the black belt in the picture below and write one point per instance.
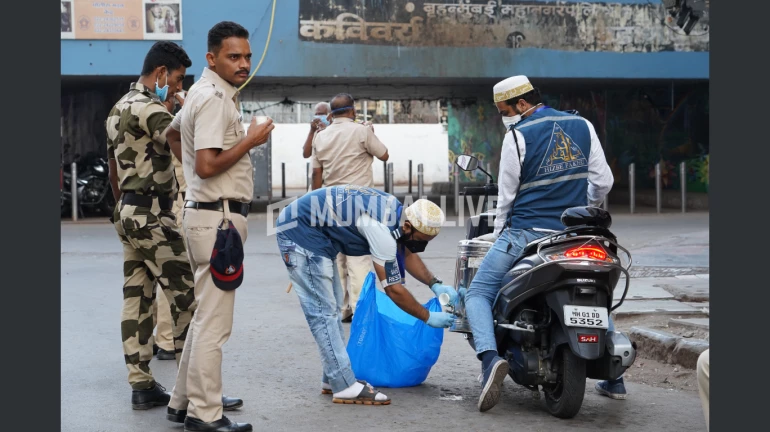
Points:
(130, 198)
(235, 206)
(183, 194)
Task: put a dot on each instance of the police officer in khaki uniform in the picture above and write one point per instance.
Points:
(215, 158)
(143, 183)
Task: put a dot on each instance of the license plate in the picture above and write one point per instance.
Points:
(586, 316)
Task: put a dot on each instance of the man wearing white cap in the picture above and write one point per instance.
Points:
(551, 161)
(356, 221)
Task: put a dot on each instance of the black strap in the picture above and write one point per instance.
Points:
(521, 170)
(131, 198)
(235, 206)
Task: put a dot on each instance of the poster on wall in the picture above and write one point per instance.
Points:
(628, 26)
(121, 19)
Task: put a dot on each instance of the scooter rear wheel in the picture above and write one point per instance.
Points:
(565, 398)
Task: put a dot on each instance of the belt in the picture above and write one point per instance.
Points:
(183, 195)
(235, 206)
(130, 198)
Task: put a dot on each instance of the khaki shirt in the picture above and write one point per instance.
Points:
(135, 140)
(179, 173)
(345, 151)
(210, 119)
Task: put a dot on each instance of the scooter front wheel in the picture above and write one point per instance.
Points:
(564, 399)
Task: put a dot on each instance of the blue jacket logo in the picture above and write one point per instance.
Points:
(563, 154)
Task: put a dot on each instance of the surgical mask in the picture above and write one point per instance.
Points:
(323, 119)
(161, 92)
(510, 121)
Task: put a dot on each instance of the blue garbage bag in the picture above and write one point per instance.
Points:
(387, 346)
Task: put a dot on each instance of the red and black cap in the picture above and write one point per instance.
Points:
(226, 263)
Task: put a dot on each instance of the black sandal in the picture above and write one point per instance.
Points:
(366, 397)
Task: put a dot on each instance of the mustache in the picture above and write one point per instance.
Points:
(246, 71)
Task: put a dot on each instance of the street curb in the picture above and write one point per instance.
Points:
(667, 347)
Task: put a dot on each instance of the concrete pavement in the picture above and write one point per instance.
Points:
(271, 360)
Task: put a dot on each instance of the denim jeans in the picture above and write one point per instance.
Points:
(316, 281)
(488, 282)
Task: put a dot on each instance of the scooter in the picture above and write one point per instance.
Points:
(551, 314)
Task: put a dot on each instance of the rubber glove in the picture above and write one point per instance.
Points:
(491, 237)
(440, 319)
(439, 289)
(461, 294)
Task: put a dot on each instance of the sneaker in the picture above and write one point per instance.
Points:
(612, 389)
(491, 385)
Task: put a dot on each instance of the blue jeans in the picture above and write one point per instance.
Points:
(488, 281)
(316, 281)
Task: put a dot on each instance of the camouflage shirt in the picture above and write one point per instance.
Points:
(136, 141)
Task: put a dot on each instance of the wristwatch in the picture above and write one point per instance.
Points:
(434, 280)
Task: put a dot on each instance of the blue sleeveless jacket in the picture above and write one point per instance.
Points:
(324, 221)
(555, 172)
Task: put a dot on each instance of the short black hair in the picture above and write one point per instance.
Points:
(165, 53)
(222, 31)
(532, 97)
(341, 100)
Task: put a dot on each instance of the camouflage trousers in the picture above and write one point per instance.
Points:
(153, 252)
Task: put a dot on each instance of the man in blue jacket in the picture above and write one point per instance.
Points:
(356, 221)
(550, 161)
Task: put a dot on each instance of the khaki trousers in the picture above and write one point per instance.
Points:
(164, 335)
(353, 271)
(704, 371)
(198, 386)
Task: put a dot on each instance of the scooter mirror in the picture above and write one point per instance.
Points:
(467, 162)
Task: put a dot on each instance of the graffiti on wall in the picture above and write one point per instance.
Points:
(561, 25)
(632, 123)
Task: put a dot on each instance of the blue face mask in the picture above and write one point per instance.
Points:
(323, 119)
(162, 92)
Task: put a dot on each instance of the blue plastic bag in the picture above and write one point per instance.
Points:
(387, 346)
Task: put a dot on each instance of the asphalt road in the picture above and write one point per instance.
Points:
(271, 360)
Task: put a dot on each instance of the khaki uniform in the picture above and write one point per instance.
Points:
(704, 374)
(345, 151)
(209, 119)
(153, 249)
(164, 334)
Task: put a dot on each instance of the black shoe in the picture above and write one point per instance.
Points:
(192, 424)
(146, 399)
(228, 404)
(165, 355)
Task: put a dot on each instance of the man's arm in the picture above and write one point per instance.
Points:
(600, 178)
(374, 146)
(114, 179)
(508, 178)
(210, 127)
(318, 174)
(402, 297)
(307, 149)
(174, 140)
(416, 267)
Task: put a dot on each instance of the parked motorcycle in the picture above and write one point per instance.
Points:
(552, 312)
(93, 186)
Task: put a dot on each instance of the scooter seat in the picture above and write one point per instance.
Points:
(520, 267)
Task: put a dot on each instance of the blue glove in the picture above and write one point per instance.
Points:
(439, 289)
(461, 294)
(440, 319)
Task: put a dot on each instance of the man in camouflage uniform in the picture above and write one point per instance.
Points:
(164, 333)
(143, 182)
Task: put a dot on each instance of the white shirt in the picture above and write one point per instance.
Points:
(600, 178)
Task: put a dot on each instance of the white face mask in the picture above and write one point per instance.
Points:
(510, 121)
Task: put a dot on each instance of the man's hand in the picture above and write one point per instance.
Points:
(316, 125)
(440, 319)
(259, 134)
(439, 289)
